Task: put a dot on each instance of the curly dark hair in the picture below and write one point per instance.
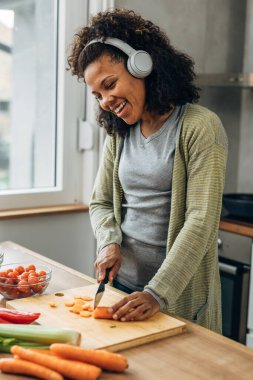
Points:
(171, 80)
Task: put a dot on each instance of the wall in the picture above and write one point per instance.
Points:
(245, 178)
(66, 238)
(218, 37)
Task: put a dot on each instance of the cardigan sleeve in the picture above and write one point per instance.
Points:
(101, 209)
(206, 163)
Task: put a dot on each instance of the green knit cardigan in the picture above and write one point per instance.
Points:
(188, 280)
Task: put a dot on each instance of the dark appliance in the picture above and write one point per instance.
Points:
(235, 264)
(238, 205)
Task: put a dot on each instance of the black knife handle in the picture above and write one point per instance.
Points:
(106, 279)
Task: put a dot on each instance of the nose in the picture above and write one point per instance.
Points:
(106, 102)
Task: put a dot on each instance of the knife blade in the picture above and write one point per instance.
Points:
(101, 288)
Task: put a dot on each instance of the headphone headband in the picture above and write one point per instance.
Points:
(139, 62)
(115, 42)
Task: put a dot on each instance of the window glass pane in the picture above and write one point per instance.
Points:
(28, 59)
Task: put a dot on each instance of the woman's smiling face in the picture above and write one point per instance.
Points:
(116, 90)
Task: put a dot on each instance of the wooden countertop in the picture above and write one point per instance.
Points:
(197, 354)
(237, 227)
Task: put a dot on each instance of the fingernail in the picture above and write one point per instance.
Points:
(110, 310)
(115, 316)
(100, 276)
(123, 319)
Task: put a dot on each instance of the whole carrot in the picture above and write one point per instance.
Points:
(24, 367)
(101, 358)
(42, 351)
(72, 369)
(102, 313)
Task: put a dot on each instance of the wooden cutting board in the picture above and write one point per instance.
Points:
(98, 333)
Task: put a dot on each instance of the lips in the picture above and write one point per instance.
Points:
(118, 109)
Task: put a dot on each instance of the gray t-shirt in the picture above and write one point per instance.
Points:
(145, 173)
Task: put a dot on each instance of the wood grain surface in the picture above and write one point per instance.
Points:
(241, 228)
(99, 333)
(43, 210)
(197, 354)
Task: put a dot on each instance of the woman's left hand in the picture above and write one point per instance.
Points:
(136, 306)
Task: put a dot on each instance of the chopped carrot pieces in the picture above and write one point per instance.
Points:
(69, 304)
(86, 298)
(52, 304)
(76, 309)
(85, 314)
(79, 305)
(85, 306)
(79, 302)
(102, 312)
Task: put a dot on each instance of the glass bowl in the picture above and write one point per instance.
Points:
(20, 280)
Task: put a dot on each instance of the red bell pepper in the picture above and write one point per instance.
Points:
(4, 321)
(16, 316)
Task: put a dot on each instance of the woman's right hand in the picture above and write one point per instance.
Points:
(109, 257)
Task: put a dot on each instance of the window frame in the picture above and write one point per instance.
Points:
(70, 108)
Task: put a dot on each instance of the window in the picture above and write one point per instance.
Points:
(40, 103)
(4, 106)
(28, 81)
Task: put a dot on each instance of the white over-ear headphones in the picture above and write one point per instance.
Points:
(139, 62)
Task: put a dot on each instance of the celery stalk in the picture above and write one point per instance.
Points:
(7, 343)
(41, 335)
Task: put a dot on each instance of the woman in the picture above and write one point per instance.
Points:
(156, 202)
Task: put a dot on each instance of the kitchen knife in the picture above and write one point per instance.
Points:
(101, 288)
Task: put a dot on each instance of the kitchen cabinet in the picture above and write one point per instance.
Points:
(237, 246)
(235, 264)
(236, 80)
(196, 354)
(249, 339)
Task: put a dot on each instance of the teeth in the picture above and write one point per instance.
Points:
(120, 107)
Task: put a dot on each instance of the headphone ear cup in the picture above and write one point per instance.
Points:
(129, 67)
(140, 64)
